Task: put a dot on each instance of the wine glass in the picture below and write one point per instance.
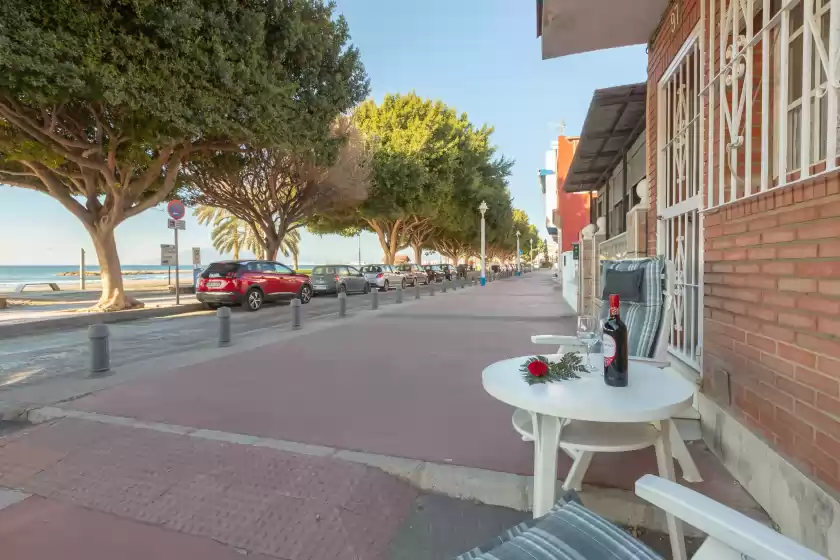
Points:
(587, 333)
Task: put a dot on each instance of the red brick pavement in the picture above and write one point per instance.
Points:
(255, 499)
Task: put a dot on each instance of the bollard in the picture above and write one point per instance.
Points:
(296, 314)
(399, 293)
(374, 299)
(223, 313)
(416, 290)
(100, 351)
(454, 284)
(432, 288)
(473, 281)
(443, 286)
(342, 304)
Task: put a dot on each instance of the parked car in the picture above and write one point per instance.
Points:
(450, 270)
(463, 269)
(413, 273)
(436, 272)
(250, 284)
(336, 278)
(383, 276)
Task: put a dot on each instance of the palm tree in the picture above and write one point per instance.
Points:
(229, 233)
(291, 245)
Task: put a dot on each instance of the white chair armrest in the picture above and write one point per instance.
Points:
(661, 364)
(556, 339)
(731, 528)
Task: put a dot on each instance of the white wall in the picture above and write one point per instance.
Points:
(551, 182)
(569, 268)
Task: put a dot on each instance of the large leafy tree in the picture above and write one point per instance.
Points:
(417, 146)
(276, 190)
(102, 101)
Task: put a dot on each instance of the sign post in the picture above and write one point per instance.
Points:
(176, 211)
(82, 277)
(196, 260)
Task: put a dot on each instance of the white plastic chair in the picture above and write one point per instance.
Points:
(731, 535)
(581, 440)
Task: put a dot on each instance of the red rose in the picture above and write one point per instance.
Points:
(538, 368)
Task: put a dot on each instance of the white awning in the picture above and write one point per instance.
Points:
(576, 26)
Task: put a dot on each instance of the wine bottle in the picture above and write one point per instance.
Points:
(614, 344)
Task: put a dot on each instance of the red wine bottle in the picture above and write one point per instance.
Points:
(614, 344)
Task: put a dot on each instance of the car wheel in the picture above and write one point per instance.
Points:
(254, 299)
(384, 287)
(305, 293)
(366, 289)
(402, 284)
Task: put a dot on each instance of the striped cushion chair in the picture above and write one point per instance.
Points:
(643, 318)
(568, 531)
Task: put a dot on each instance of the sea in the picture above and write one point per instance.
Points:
(13, 275)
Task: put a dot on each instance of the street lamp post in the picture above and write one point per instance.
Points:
(518, 258)
(483, 208)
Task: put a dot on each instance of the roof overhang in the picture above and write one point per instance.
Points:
(615, 119)
(577, 26)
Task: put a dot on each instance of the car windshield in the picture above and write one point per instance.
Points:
(320, 270)
(404, 267)
(371, 268)
(220, 270)
(435, 267)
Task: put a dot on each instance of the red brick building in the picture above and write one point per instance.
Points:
(740, 133)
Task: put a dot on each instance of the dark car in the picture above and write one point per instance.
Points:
(250, 284)
(450, 270)
(414, 273)
(435, 272)
(463, 269)
(337, 278)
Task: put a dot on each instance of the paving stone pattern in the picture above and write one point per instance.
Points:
(255, 499)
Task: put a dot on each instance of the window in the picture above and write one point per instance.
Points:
(221, 270)
(352, 271)
(372, 268)
(323, 270)
(283, 269)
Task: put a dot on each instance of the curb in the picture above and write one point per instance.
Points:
(464, 483)
(87, 319)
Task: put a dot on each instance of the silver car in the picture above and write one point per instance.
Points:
(335, 278)
(414, 273)
(383, 276)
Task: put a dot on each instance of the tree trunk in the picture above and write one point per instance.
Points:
(295, 259)
(418, 253)
(113, 296)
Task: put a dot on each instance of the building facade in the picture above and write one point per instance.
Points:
(742, 192)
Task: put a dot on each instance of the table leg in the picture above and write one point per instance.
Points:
(665, 462)
(689, 468)
(574, 480)
(546, 436)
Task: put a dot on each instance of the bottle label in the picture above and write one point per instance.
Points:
(608, 346)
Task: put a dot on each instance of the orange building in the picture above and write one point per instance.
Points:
(572, 213)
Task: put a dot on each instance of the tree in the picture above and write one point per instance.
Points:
(229, 234)
(276, 190)
(291, 246)
(416, 145)
(101, 102)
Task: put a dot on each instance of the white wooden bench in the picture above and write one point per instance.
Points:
(19, 288)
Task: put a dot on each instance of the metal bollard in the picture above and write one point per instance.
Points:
(454, 284)
(399, 293)
(342, 304)
(100, 350)
(223, 313)
(432, 288)
(374, 299)
(296, 324)
(443, 286)
(416, 290)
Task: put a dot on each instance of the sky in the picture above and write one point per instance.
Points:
(481, 57)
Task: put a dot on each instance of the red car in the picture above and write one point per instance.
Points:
(250, 284)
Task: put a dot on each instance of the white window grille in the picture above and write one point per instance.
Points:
(771, 93)
(680, 175)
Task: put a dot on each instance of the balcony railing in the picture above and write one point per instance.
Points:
(614, 248)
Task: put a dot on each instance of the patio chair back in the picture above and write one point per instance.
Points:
(649, 321)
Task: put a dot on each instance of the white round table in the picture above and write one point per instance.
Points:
(651, 395)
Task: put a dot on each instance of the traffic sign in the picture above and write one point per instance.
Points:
(196, 256)
(167, 255)
(176, 209)
(177, 224)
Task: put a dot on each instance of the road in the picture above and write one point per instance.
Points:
(34, 359)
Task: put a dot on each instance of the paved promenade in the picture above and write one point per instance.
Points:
(259, 451)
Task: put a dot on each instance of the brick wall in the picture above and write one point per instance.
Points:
(772, 319)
